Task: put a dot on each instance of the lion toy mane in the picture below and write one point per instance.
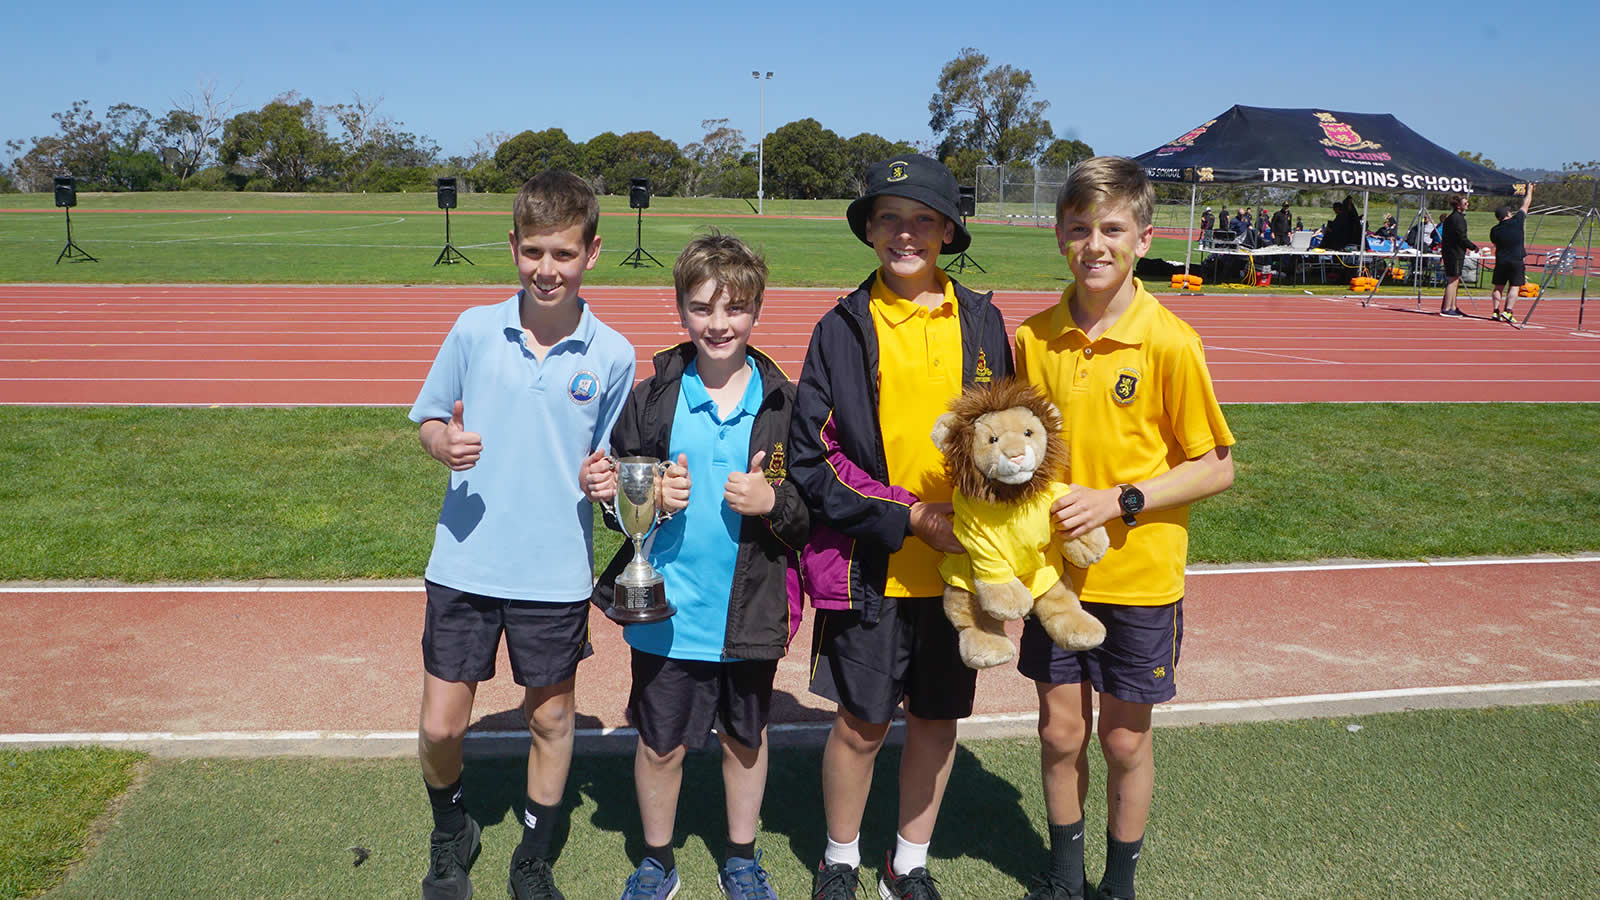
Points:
(1004, 454)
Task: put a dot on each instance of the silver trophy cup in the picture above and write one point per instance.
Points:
(641, 596)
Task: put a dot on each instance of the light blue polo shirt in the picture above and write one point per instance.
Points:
(696, 550)
(516, 525)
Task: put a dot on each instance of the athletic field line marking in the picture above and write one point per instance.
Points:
(417, 588)
(1329, 362)
(1019, 719)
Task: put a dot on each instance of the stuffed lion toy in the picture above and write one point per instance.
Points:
(1004, 454)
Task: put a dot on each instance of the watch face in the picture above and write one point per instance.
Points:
(1132, 500)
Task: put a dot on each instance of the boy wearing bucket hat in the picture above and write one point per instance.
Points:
(882, 365)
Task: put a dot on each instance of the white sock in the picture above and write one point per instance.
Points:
(908, 856)
(848, 853)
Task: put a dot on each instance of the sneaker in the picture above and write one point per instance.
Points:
(1049, 886)
(744, 879)
(531, 878)
(651, 882)
(449, 858)
(1508, 318)
(1456, 313)
(835, 882)
(916, 884)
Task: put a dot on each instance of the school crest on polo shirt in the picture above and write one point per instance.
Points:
(1126, 387)
(583, 387)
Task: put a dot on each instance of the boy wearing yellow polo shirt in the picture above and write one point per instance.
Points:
(881, 367)
(1146, 438)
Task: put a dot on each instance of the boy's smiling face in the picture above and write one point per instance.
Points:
(719, 327)
(1102, 244)
(551, 263)
(907, 236)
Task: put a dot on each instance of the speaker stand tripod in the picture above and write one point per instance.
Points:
(640, 254)
(961, 262)
(450, 255)
(72, 252)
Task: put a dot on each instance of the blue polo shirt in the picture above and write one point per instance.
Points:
(696, 550)
(516, 525)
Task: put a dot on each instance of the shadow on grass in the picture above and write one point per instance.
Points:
(983, 817)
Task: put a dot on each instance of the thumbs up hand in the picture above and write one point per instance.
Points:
(452, 444)
(748, 493)
(675, 486)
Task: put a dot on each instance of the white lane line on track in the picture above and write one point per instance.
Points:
(416, 588)
(995, 719)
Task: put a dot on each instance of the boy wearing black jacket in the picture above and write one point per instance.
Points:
(882, 365)
(720, 409)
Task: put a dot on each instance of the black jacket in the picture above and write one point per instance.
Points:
(765, 599)
(836, 445)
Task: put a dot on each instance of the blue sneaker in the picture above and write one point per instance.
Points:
(651, 882)
(744, 879)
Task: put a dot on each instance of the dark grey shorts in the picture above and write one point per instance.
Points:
(461, 636)
(1138, 663)
(910, 653)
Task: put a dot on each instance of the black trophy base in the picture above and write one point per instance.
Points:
(637, 604)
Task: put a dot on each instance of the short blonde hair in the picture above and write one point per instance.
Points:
(1108, 179)
(555, 199)
(738, 270)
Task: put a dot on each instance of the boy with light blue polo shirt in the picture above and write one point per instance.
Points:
(728, 555)
(518, 404)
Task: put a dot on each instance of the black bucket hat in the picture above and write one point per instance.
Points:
(914, 177)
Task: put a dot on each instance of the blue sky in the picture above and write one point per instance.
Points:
(1122, 76)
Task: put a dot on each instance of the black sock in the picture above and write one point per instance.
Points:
(538, 825)
(1121, 859)
(1066, 855)
(449, 813)
(662, 855)
(740, 851)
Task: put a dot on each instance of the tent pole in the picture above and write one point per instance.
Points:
(1361, 247)
(1188, 245)
(1422, 247)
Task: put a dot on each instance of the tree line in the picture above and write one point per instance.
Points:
(980, 114)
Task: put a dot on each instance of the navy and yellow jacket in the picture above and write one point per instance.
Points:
(836, 454)
(765, 599)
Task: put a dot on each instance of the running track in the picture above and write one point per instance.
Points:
(372, 345)
(336, 669)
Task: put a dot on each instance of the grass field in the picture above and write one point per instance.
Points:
(395, 238)
(1426, 804)
(1411, 805)
(155, 494)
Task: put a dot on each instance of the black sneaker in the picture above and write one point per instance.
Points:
(1050, 886)
(835, 882)
(450, 856)
(916, 884)
(531, 878)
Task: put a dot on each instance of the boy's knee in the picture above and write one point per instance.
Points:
(438, 728)
(859, 736)
(1126, 749)
(671, 759)
(551, 717)
(1063, 736)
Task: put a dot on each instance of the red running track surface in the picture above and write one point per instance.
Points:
(372, 345)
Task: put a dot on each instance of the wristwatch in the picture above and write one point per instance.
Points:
(1132, 503)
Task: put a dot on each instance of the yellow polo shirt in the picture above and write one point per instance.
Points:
(919, 371)
(1135, 403)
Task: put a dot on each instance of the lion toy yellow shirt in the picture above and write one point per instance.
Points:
(1005, 541)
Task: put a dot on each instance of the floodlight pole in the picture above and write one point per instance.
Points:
(761, 144)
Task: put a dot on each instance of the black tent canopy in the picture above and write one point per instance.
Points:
(1315, 148)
